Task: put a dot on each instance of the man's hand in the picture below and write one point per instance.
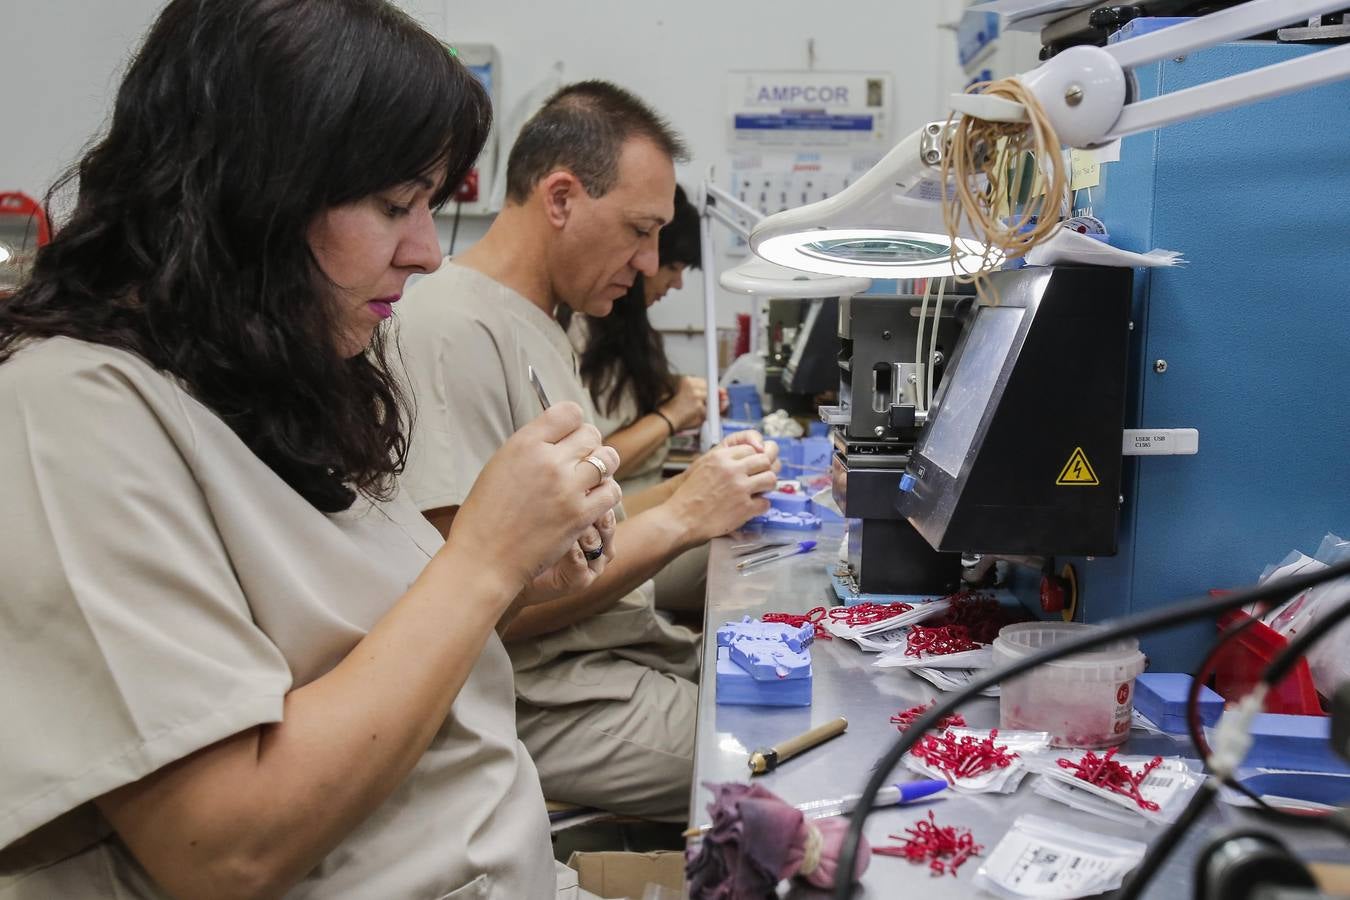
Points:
(722, 488)
(751, 438)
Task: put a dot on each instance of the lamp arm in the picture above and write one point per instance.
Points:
(712, 422)
(729, 210)
(1287, 77)
(1084, 89)
(1234, 23)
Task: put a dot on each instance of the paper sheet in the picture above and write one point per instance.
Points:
(1067, 246)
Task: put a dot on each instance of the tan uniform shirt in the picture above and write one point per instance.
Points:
(162, 589)
(467, 341)
(647, 473)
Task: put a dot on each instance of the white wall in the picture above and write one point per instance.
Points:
(60, 61)
(676, 55)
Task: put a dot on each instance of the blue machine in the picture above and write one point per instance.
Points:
(1245, 343)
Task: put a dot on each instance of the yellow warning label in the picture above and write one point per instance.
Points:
(1077, 470)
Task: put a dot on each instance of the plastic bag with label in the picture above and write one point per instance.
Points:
(952, 679)
(1293, 615)
(1039, 857)
(1170, 786)
(1000, 780)
(897, 658)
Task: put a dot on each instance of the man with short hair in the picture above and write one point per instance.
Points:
(605, 688)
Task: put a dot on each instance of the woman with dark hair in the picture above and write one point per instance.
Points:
(238, 662)
(640, 403)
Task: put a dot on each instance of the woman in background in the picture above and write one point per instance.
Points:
(237, 662)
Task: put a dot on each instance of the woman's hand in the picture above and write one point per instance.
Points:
(574, 572)
(536, 498)
(689, 407)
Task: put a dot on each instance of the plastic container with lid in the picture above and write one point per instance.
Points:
(1085, 700)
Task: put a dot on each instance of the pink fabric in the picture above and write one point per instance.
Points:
(832, 833)
(755, 841)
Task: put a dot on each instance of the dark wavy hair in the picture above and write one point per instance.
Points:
(623, 350)
(237, 123)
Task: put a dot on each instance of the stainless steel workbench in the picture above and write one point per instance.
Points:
(846, 684)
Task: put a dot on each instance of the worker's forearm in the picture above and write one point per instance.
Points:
(643, 544)
(654, 496)
(258, 811)
(637, 442)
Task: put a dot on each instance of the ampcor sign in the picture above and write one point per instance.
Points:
(802, 93)
(809, 111)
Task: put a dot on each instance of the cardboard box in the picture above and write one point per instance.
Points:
(616, 874)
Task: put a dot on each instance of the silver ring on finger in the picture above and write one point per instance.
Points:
(599, 466)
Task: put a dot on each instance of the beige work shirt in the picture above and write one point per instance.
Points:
(162, 589)
(467, 342)
(647, 473)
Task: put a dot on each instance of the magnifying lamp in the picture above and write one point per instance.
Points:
(761, 278)
(757, 277)
(888, 223)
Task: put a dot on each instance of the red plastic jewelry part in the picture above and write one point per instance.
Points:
(1104, 772)
(944, 848)
(815, 618)
(964, 757)
(906, 717)
(939, 640)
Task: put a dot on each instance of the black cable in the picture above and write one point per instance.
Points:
(1162, 848)
(1277, 669)
(1332, 821)
(454, 229)
(1280, 667)
(1193, 723)
(1142, 623)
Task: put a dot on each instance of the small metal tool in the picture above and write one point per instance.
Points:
(538, 387)
(591, 555)
(756, 549)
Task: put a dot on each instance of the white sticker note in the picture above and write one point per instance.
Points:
(1161, 442)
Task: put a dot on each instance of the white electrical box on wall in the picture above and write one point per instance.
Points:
(472, 197)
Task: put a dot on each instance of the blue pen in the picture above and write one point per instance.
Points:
(771, 556)
(890, 795)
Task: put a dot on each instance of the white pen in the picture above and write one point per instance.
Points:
(790, 550)
(890, 795)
